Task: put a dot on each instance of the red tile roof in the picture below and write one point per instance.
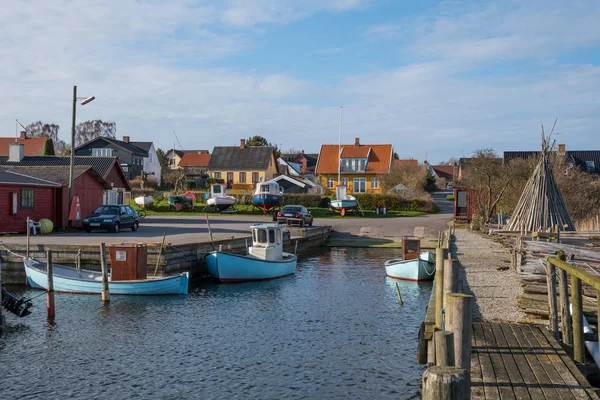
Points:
(194, 160)
(31, 146)
(444, 171)
(406, 162)
(380, 157)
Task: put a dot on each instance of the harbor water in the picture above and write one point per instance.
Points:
(335, 329)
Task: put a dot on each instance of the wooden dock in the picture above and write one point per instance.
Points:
(523, 361)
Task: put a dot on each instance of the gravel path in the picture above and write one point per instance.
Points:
(495, 290)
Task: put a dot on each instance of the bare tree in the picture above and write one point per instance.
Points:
(50, 131)
(88, 130)
(414, 177)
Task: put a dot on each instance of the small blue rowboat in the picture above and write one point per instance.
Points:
(419, 269)
(70, 280)
(266, 259)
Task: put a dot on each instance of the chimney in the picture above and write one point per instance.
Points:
(242, 143)
(562, 148)
(126, 139)
(357, 142)
(23, 135)
(302, 151)
(15, 152)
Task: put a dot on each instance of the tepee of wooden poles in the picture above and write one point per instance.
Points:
(541, 206)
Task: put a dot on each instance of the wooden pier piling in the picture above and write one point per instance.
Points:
(50, 292)
(552, 300)
(577, 304)
(444, 348)
(459, 309)
(1, 315)
(446, 383)
(439, 286)
(104, 269)
(450, 280)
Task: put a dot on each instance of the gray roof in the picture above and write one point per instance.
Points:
(143, 145)
(54, 174)
(128, 146)
(101, 164)
(238, 158)
(17, 178)
(577, 157)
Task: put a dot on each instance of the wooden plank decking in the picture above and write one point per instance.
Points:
(519, 361)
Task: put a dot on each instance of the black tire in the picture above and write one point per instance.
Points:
(116, 227)
(301, 223)
(310, 223)
(275, 216)
(88, 230)
(135, 226)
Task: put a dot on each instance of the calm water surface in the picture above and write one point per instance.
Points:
(334, 330)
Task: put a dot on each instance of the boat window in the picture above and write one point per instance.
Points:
(264, 188)
(262, 236)
(217, 189)
(278, 236)
(271, 235)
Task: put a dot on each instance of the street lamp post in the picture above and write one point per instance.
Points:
(85, 101)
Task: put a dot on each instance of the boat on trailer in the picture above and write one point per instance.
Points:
(343, 202)
(415, 265)
(219, 200)
(267, 195)
(265, 259)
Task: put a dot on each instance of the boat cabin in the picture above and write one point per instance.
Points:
(411, 247)
(267, 242)
(217, 190)
(269, 188)
(341, 192)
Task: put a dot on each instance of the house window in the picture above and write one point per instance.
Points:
(27, 198)
(329, 183)
(591, 167)
(353, 165)
(374, 183)
(254, 177)
(230, 177)
(217, 175)
(242, 177)
(105, 152)
(345, 181)
(360, 185)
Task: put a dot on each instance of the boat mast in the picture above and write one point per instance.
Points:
(340, 149)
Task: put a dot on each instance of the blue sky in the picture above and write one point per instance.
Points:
(435, 79)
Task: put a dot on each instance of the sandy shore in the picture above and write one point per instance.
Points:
(486, 267)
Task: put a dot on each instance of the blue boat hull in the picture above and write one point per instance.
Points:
(69, 280)
(266, 200)
(227, 267)
(421, 269)
(346, 204)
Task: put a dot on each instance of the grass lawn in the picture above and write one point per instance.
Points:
(160, 207)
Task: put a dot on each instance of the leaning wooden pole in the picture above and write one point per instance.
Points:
(439, 286)
(577, 301)
(50, 291)
(104, 268)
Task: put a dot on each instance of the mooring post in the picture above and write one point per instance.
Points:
(1, 317)
(450, 280)
(577, 302)
(296, 248)
(447, 383)
(28, 233)
(565, 311)
(551, 284)
(50, 292)
(459, 309)
(104, 268)
(444, 348)
(439, 286)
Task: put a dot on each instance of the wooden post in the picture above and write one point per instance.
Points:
(1, 317)
(159, 254)
(577, 302)
(50, 292)
(444, 348)
(446, 383)
(565, 311)
(450, 280)
(459, 311)
(439, 286)
(28, 234)
(104, 267)
(551, 284)
(422, 346)
(296, 247)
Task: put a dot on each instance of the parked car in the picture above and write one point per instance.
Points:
(112, 218)
(294, 215)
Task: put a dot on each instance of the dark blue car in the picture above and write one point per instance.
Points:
(112, 218)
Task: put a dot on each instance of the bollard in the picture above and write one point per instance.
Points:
(450, 280)
(104, 268)
(446, 383)
(439, 286)
(444, 348)
(459, 309)
(50, 291)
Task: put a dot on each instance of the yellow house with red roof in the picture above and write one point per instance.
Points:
(359, 166)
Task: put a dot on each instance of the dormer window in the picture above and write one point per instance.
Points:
(103, 152)
(353, 165)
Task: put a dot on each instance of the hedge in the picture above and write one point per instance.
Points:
(394, 203)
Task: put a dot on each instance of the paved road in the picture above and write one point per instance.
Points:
(194, 229)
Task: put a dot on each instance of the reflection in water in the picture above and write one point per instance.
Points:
(334, 330)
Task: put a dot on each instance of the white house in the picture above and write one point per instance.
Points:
(151, 163)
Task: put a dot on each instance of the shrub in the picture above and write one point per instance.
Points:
(304, 199)
(394, 202)
(210, 181)
(190, 184)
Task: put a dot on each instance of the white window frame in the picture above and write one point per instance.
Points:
(330, 183)
(102, 152)
(345, 181)
(374, 183)
(359, 183)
